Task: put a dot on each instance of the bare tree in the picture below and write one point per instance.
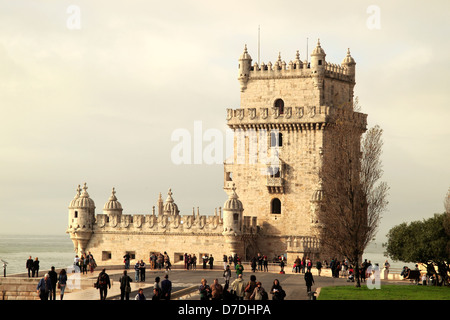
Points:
(353, 198)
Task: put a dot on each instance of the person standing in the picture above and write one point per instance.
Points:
(142, 270)
(386, 270)
(166, 288)
(211, 262)
(265, 263)
(216, 290)
(140, 295)
(319, 267)
(85, 264)
(225, 261)
(259, 293)
(156, 290)
(35, 269)
(309, 280)
(44, 287)
(103, 283)
(53, 278)
(62, 282)
(126, 260)
(204, 290)
(239, 269)
(125, 286)
(29, 266)
(250, 287)
(277, 291)
(238, 287)
(136, 271)
(227, 275)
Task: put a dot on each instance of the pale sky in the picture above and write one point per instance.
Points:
(98, 103)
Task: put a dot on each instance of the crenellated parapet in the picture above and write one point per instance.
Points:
(317, 67)
(293, 117)
(151, 223)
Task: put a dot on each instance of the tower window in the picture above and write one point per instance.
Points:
(276, 139)
(279, 104)
(275, 206)
(320, 62)
(76, 214)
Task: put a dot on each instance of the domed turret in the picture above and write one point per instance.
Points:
(113, 206)
(232, 214)
(84, 201)
(170, 207)
(245, 64)
(318, 59)
(81, 219)
(349, 63)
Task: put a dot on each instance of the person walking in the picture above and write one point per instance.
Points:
(166, 288)
(103, 283)
(54, 279)
(125, 286)
(29, 266)
(204, 290)
(44, 287)
(309, 280)
(35, 268)
(238, 287)
(62, 282)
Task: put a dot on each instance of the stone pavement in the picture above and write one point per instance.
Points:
(186, 282)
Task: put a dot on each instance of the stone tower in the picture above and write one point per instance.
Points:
(81, 219)
(279, 136)
(233, 223)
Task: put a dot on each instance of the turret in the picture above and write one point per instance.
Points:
(170, 207)
(318, 60)
(245, 63)
(113, 206)
(349, 63)
(81, 219)
(232, 222)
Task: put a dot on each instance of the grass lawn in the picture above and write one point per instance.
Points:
(386, 292)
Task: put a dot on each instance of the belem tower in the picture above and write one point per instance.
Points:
(271, 180)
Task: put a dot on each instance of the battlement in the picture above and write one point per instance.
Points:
(160, 223)
(305, 117)
(296, 70)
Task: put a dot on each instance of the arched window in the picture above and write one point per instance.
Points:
(279, 104)
(275, 206)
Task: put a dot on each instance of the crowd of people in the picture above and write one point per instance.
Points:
(233, 288)
(240, 290)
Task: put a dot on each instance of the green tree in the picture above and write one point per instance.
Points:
(422, 242)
